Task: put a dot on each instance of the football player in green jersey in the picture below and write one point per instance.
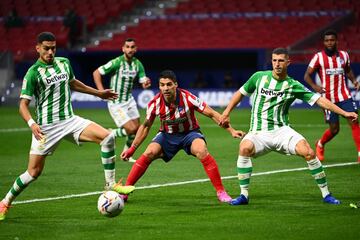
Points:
(272, 94)
(123, 70)
(50, 81)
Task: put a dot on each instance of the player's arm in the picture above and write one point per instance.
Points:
(326, 104)
(78, 86)
(98, 79)
(308, 79)
(141, 135)
(350, 75)
(143, 79)
(235, 100)
(216, 117)
(26, 115)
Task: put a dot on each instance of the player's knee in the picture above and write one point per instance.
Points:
(108, 140)
(247, 148)
(151, 154)
(334, 131)
(246, 151)
(201, 154)
(309, 154)
(35, 172)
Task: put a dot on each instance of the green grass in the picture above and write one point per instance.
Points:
(282, 205)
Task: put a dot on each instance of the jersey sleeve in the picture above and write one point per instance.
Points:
(347, 63)
(70, 70)
(198, 104)
(303, 93)
(28, 85)
(141, 73)
(109, 67)
(314, 62)
(249, 87)
(151, 110)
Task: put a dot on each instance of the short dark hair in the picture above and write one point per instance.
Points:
(46, 36)
(330, 32)
(280, 50)
(168, 74)
(129, 40)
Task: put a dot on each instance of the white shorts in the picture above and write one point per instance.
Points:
(123, 112)
(282, 140)
(70, 129)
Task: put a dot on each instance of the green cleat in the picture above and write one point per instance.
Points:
(3, 210)
(121, 189)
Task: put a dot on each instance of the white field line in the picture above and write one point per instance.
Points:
(177, 183)
(11, 130)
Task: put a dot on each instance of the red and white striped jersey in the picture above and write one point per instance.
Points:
(178, 117)
(332, 71)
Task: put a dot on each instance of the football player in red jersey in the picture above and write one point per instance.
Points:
(179, 129)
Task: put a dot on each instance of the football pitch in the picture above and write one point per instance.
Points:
(175, 200)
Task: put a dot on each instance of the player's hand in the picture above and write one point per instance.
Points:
(108, 94)
(224, 121)
(126, 154)
(38, 134)
(237, 133)
(352, 116)
(147, 83)
(319, 89)
(357, 85)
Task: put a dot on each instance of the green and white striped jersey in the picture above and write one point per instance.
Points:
(271, 99)
(49, 83)
(123, 74)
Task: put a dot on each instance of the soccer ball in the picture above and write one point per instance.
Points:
(110, 204)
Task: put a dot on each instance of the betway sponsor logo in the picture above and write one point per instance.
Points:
(130, 73)
(57, 78)
(334, 71)
(271, 93)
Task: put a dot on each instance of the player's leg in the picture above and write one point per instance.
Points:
(96, 133)
(131, 128)
(199, 150)
(302, 148)
(334, 127)
(35, 167)
(132, 125)
(152, 152)
(118, 113)
(355, 129)
(350, 106)
(244, 170)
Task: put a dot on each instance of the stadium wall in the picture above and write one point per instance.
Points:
(203, 72)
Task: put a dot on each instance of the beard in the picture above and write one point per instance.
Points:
(330, 51)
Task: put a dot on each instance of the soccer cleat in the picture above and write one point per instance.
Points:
(121, 189)
(331, 200)
(319, 151)
(241, 200)
(3, 210)
(223, 196)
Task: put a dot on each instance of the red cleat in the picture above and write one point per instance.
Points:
(319, 151)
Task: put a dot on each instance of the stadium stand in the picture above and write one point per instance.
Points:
(192, 24)
(47, 15)
(229, 24)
